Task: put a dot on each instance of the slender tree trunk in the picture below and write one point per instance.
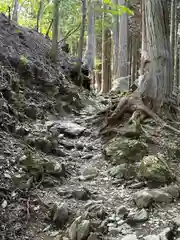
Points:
(123, 44)
(89, 56)
(133, 65)
(49, 28)
(106, 61)
(172, 31)
(176, 84)
(157, 83)
(39, 15)
(15, 11)
(81, 39)
(144, 48)
(116, 43)
(54, 49)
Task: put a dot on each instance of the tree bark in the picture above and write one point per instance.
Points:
(89, 56)
(15, 11)
(172, 31)
(123, 44)
(81, 39)
(54, 49)
(39, 15)
(116, 43)
(157, 83)
(106, 61)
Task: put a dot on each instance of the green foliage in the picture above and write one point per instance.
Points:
(70, 16)
(116, 9)
(23, 60)
(97, 62)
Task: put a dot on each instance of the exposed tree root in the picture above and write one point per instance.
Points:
(132, 103)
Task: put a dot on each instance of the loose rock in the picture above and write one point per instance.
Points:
(81, 194)
(83, 230)
(130, 237)
(60, 214)
(143, 199)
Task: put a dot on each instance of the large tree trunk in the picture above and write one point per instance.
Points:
(172, 31)
(157, 83)
(89, 56)
(176, 55)
(54, 49)
(123, 44)
(15, 11)
(121, 66)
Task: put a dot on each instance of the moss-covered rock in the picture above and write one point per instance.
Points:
(154, 169)
(122, 150)
(124, 170)
(130, 131)
(36, 165)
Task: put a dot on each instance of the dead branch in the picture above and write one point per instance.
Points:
(50, 25)
(69, 33)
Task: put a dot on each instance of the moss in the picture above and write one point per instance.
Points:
(153, 169)
(122, 150)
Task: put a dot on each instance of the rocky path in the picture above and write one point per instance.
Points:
(106, 204)
(65, 189)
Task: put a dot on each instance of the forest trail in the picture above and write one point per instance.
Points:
(58, 177)
(92, 193)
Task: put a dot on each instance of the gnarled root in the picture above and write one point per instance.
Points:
(134, 104)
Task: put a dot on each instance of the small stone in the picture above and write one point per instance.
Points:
(130, 237)
(60, 214)
(122, 210)
(4, 204)
(90, 171)
(143, 199)
(177, 221)
(164, 234)
(114, 230)
(120, 222)
(124, 170)
(86, 178)
(152, 237)
(21, 131)
(103, 228)
(161, 196)
(83, 230)
(93, 236)
(31, 111)
(112, 218)
(112, 225)
(67, 144)
(101, 214)
(60, 152)
(80, 145)
(173, 190)
(87, 156)
(73, 228)
(137, 185)
(81, 194)
(139, 217)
